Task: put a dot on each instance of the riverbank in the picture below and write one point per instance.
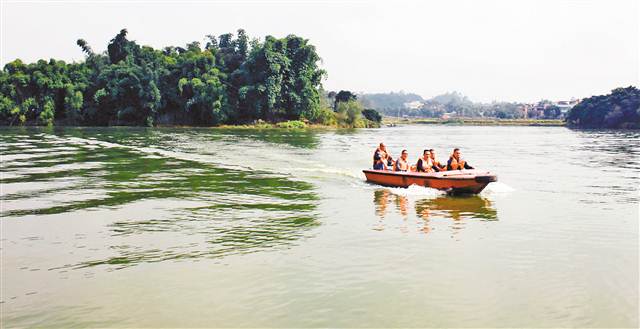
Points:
(259, 124)
(473, 122)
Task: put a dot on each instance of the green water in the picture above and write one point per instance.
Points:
(132, 227)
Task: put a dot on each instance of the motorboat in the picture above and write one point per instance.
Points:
(466, 181)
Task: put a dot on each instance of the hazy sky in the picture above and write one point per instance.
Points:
(488, 50)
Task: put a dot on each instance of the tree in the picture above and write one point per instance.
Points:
(301, 97)
(344, 96)
(349, 113)
(230, 80)
(373, 115)
(552, 112)
(85, 47)
(119, 47)
(212, 44)
(619, 109)
(73, 105)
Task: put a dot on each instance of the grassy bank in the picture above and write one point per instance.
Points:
(473, 121)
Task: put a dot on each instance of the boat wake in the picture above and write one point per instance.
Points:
(259, 156)
(498, 188)
(254, 156)
(416, 191)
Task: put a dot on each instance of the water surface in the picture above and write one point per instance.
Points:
(122, 227)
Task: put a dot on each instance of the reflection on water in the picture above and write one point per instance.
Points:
(223, 210)
(455, 208)
(293, 137)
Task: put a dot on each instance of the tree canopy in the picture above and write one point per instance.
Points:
(620, 109)
(232, 79)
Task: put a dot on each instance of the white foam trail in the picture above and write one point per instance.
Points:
(322, 170)
(415, 190)
(498, 188)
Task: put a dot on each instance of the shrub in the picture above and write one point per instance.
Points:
(349, 113)
(327, 117)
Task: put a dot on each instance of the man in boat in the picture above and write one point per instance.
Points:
(435, 164)
(401, 163)
(390, 162)
(456, 163)
(388, 158)
(425, 163)
(381, 159)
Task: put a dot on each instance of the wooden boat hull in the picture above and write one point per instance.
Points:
(455, 181)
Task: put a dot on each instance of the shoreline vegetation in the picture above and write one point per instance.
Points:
(236, 81)
(618, 110)
(232, 80)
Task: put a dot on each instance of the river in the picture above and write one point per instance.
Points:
(200, 227)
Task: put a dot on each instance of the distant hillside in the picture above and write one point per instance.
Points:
(455, 104)
(392, 101)
(451, 98)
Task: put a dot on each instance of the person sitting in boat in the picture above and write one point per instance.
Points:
(425, 163)
(456, 163)
(390, 162)
(435, 164)
(401, 163)
(380, 158)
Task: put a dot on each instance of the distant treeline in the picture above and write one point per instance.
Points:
(388, 102)
(620, 109)
(455, 103)
(229, 80)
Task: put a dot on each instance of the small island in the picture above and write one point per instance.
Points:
(232, 80)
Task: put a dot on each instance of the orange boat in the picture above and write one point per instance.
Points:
(470, 181)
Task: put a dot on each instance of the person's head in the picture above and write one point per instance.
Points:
(432, 153)
(404, 154)
(456, 153)
(382, 146)
(426, 153)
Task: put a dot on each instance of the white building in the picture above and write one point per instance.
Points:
(413, 105)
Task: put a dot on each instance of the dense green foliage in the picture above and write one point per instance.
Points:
(343, 96)
(620, 109)
(229, 80)
(372, 115)
(349, 112)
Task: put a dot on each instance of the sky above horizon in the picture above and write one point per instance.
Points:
(487, 50)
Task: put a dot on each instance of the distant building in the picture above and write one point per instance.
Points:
(413, 105)
(565, 106)
(448, 115)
